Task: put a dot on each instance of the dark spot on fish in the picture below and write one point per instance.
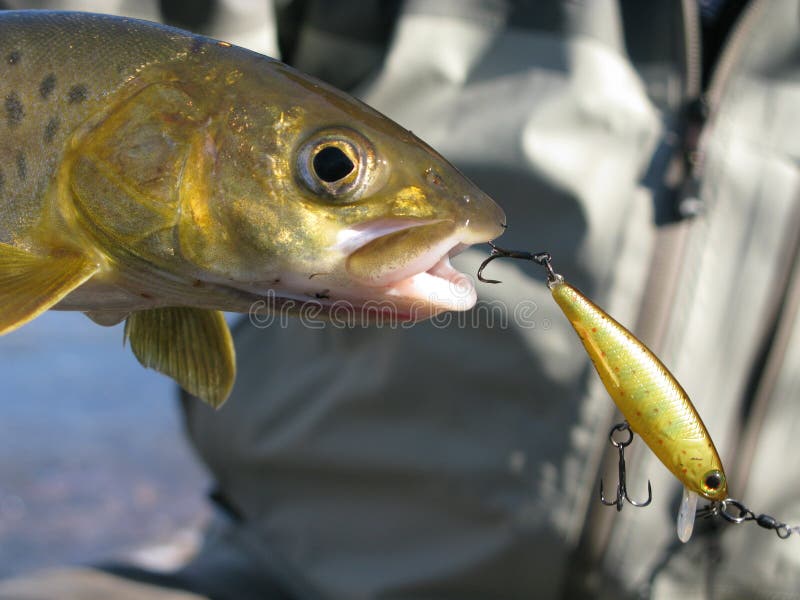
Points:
(77, 93)
(51, 129)
(276, 281)
(145, 295)
(173, 117)
(22, 166)
(197, 283)
(13, 57)
(323, 295)
(14, 110)
(47, 86)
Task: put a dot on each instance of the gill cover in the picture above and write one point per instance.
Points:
(126, 172)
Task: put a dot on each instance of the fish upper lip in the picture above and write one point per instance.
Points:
(351, 239)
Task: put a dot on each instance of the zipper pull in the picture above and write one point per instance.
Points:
(688, 202)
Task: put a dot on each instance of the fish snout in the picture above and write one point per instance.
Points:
(477, 217)
(480, 218)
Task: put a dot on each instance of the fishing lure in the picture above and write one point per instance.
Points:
(653, 403)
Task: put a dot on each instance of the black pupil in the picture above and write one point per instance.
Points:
(331, 164)
(713, 481)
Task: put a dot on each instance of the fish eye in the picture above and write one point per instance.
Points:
(336, 163)
(332, 164)
(713, 482)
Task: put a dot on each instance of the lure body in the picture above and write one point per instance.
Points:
(650, 398)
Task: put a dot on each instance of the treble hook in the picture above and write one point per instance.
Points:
(622, 490)
(540, 258)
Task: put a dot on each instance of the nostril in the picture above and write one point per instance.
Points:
(433, 178)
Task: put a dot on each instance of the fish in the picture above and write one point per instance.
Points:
(650, 398)
(159, 177)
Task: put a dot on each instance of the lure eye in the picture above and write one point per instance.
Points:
(336, 163)
(713, 482)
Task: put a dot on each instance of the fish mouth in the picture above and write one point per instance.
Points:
(441, 287)
(407, 263)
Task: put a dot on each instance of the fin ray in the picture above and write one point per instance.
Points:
(30, 283)
(193, 346)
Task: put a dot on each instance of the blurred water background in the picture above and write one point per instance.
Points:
(93, 461)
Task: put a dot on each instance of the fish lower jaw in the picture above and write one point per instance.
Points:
(438, 289)
(416, 297)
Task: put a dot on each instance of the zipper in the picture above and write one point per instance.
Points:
(698, 116)
(702, 107)
(670, 245)
(692, 48)
(731, 51)
(695, 114)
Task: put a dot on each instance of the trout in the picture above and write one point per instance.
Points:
(159, 177)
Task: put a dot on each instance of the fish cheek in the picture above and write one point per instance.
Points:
(125, 173)
(227, 227)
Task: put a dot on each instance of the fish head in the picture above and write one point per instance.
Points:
(301, 193)
(234, 172)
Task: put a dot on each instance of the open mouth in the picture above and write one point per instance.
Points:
(442, 286)
(410, 261)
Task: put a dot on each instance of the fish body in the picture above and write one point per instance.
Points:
(153, 175)
(649, 397)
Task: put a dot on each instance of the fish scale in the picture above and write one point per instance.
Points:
(650, 398)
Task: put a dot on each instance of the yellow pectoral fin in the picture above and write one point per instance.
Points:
(191, 345)
(32, 283)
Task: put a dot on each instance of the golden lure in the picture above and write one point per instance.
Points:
(650, 398)
(653, 403)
